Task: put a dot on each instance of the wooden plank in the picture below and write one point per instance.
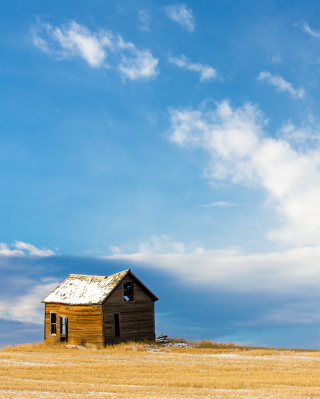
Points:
(84, 323)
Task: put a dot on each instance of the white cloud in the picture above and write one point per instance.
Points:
(76, 41)
(136, 64)
(181, 14)
(19, 248)
(28, 307)
(307, 29)
(32, 250)
(280, 84)
(5, 250)
(240, 151)
(206, 72)
(73, 40)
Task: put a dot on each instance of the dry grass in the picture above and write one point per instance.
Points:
(131, 370)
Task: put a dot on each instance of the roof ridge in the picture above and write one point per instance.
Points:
(95, 275)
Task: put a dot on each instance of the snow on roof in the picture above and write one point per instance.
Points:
(79, 289)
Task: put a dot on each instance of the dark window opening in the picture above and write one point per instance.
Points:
(116, 319)
(128, 291)
(53, 323)
(63, 325)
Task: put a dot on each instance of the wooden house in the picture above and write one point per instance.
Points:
(100, 310)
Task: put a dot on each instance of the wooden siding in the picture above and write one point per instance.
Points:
(136, 317)
(84, 323)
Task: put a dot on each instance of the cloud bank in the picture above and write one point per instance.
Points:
(102, 49)
(283, 273)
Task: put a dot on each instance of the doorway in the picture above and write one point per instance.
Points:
(116, 320)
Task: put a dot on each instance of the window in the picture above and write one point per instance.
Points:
(63, 325)
(116, 320)
(53, 323)
(128, 291)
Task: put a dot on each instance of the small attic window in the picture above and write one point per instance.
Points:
(128, 291)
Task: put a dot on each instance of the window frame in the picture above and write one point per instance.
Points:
(63, 334)
(123, 291)
(53, 326)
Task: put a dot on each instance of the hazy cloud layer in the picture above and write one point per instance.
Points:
(206, 72)
(27, 307)
(278, 291)
(101, 49)
(181, 14)
(241, 152)
(280, 84)
(289, 272)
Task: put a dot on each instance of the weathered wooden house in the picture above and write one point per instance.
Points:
(100, 310)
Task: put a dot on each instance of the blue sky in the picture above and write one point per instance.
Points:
(178, 139)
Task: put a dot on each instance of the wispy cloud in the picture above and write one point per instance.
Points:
(156, 245)
(136, 64)
(206, 72)
(72, 40)
(181, 14)
(303, 137)
(144, 18)
(99, 49)
(280, 84)
(277, 59)
(241, 152)
(19, 248)
(219, 204)
(312, 32)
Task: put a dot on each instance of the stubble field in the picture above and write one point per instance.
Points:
(145, 371)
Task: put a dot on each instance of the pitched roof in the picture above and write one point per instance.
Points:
(79, 289)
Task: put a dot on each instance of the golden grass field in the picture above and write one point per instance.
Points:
(152, 371)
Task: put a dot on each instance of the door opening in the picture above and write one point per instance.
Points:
(116, 319)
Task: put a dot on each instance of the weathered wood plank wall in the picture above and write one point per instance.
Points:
(84, 323)
(136, 317)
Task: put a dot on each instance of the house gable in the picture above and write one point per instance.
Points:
(125, 320)
(129, 276)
